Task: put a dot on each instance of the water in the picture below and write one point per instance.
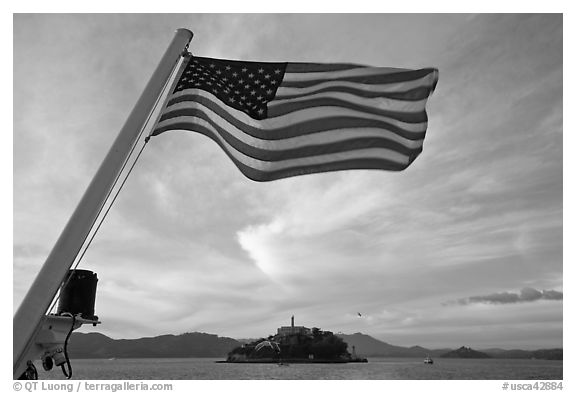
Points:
(375, 369)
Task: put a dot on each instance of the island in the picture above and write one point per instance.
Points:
(295, 344)
(466, 353)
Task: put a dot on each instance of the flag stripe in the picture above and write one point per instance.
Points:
(408, 117)
(258, 170)
(390, 88)
(372, 102)
(277, 153)
(309, 128)
(415, 94)
(305, 122)
(290, 119)
(427, 81)
(327, 136)
(369, 76)
(356, 72)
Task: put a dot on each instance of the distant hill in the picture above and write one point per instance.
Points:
(246, 340)
(547, 354)
(466, 353)
(96, 345)
(369, 346)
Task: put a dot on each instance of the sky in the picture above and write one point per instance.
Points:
(465, 247)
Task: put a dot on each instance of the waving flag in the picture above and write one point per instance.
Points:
(276, 120)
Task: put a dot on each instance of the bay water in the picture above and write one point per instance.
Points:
(375, 369)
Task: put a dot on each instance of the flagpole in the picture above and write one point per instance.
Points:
(28, 319)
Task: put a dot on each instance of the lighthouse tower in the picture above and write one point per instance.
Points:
(293, 329)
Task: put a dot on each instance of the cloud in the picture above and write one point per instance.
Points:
(310, 221)
(525, 295)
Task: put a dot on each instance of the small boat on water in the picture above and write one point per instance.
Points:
(428, 360)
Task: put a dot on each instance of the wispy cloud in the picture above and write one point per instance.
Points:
(313, 223)
(525, 295)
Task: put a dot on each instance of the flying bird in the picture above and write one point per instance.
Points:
(360, 315)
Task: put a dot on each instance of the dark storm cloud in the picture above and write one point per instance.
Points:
(525, 295)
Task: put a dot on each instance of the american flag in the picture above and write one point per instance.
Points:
(276, 120)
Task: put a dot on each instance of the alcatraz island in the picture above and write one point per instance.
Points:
(295, 344)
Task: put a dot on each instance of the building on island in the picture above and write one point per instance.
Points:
(291, 330)
(297, 344)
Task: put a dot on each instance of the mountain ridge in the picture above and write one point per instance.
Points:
(196, 344)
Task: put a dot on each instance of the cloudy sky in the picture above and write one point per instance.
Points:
(462, 248)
